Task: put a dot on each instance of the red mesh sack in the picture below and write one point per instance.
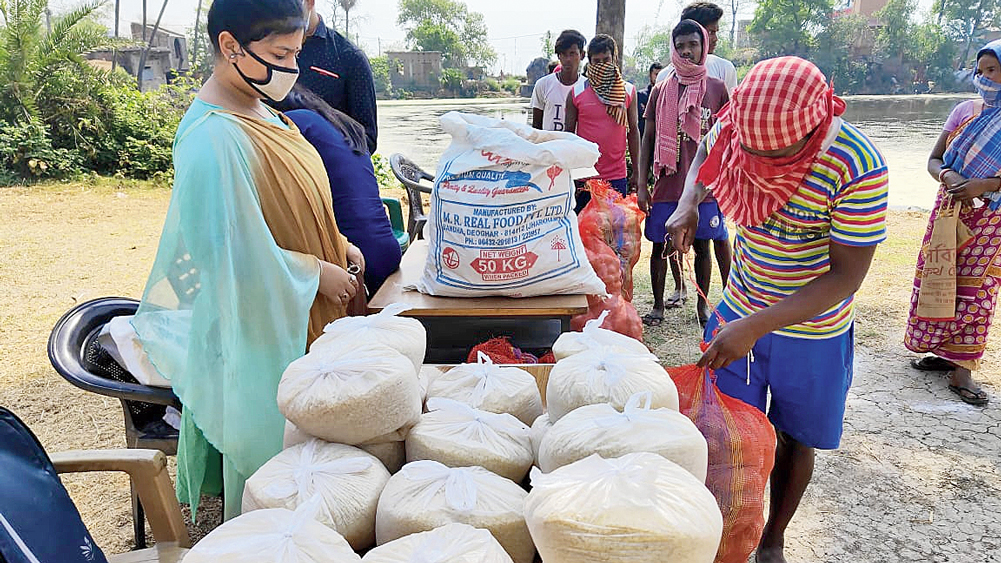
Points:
(616, 222)
(622, 316)
(606, 265)
(501, 351)
(741, 456)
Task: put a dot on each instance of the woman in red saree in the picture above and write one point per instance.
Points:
(966, 161)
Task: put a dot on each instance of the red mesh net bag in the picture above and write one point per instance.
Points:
(741, 455)
(622, 316)
(606, 265)
(615, 222)
(501, 351)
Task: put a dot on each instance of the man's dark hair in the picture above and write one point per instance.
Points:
(253, 20)
(687, 27)
(601, 44)
(354, 133)
(655, 66)
(705, 13)
(568, 39)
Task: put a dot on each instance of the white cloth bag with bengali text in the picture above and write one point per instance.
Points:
(501, 220)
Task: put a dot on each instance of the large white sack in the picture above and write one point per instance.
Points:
(537, 432)
(425, 495)
(350, 395)
(501, 220)
(453, 543)
(346, 479)
(593, 336)
(490, 387)
(458, 435)
(293, 436)
(607, 375)
(275, 535)
(639, 508)
(403, 334)
(601, 429)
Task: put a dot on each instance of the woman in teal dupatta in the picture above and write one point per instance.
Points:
(250, 265)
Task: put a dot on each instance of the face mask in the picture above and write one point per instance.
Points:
(989, 90)
(277, 85)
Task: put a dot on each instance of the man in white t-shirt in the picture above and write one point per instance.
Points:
(549, 98)
(708, 15)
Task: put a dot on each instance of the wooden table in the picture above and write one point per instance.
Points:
(456, 324)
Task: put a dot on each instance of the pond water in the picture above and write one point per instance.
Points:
(903, 127)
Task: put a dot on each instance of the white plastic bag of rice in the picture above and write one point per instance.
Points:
(537, 432)
(293, 436)
(593, 336)
(603, 430)
(639, 508)
(403, 334)
(275, 535)
(426, 494)
(348, 480)
(452, 543)
(458, 435)
(350, 395)
(607, 375)
(490, 387)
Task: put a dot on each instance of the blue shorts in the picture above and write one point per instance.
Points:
(711, 223)
(808, 381)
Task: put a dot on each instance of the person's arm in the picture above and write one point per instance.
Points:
(645, 161)
(537, 118)
(360, 92)
(961, 188)
(730, 78)
(685, 219)
(849, 265)
(571, 122)
(633, 137)
(538, 105)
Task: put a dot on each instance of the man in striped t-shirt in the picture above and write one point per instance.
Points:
(808, 192)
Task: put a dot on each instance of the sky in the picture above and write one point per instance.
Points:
(515, 26)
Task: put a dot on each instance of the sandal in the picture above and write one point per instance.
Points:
(675, 302)
(932, 363)
(653, 320)
(969, 396)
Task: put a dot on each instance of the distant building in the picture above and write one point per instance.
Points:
(415, 70)
(156, 68)
(175, 43)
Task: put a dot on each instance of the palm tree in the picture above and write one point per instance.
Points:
(30, 55)
(347, 6)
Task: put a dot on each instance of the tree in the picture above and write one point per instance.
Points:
(201, 58)
(895, 35)
(30, 55)
(734, 8)
(447, 26)
(967, 20)
(546, 42)
(612, 21)
(832, 51)
(788, 27)
(347, 6)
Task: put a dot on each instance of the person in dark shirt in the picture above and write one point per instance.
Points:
(643, 95)
(358, 208)
(333, 68)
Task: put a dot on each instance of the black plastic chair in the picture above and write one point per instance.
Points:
(411, 175)
(76, 355)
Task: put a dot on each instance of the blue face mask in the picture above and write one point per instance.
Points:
(989, 90)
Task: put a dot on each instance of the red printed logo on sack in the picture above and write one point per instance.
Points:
(503, 265)
(450, 257)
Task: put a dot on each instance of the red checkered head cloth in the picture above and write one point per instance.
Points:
(780, 103)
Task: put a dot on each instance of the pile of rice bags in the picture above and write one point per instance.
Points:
(405, 335)
(490, 387)
(603, 430)
(454, 543)
(537, 432)
(350, 395)
(639, 508)
(346, 479)
(458, 435)
(275, 535)
(426, 494)
(607, 375)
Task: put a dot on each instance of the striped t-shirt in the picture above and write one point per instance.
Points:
(843, 200)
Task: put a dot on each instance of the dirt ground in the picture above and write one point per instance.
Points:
(918, 476)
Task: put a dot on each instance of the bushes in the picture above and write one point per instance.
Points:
(26, 152)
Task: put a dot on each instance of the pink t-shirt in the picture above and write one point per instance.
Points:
(962, 112)
(595, 125)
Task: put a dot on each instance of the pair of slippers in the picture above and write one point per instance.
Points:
(977, 397)
(655, 318)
